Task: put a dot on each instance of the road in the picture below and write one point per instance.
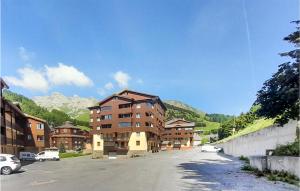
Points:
(164, 171)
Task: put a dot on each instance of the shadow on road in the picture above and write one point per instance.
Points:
(208, 174)
(25, 163)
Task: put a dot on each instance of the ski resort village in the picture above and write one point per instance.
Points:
(198, 95)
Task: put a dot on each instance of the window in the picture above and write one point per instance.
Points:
(66, 142)
(98, 128)
(40, 138)
(98, 110)
(138, 115)
(65, 130)
(125, 115)
(29, 137)
(29, 125)
(98, 144)
(2, 158)
(124, 124)
(98, 118)
(148, 124)
(75, 142)
(40, 126)
(91, 120)
(106, 117)
(53, 141)
(138, 106)
(149, 104)
(57, 131)
(105, 126)
(137, 124)
(92, 111)
(75, 131)
(138, 134)
(127, 105)
(138, 143)
(105, 108)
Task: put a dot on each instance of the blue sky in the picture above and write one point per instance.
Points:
(212, 54)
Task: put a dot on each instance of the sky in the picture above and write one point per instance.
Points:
(212, 54)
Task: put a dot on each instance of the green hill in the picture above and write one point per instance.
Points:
(255, 126)
(184, 106)
(53, 117)
(202, 122)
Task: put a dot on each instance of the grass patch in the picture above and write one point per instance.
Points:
(242, 158)
(273, 175)
(283, 177)
(255, 126)
(84, 128)
(69, 155)
(291, 149)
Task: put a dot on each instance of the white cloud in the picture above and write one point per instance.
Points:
(25, 55)
(29, 79)
(140, 81)
(101, 91)
(122, 79)
(109, 86)
(67, 75)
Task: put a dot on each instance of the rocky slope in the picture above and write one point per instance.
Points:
(74, 106)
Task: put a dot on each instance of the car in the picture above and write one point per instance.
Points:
(210, 148)
(47, 155)
(27, 156)
(9, 163)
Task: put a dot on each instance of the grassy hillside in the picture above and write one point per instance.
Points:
(202, 122)
(184, 106)
(53, 117)
(255, 126)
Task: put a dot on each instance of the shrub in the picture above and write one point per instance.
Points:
(244, 159)
(292, 149)
(248, 168)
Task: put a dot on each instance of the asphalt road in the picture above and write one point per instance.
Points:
(164, 171)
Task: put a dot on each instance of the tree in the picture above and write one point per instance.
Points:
(279, 96)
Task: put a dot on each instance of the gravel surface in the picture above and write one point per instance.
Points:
(164, 171)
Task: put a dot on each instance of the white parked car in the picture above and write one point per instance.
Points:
(27, 156)
(210, 148)
(9, 163)
(47, 155)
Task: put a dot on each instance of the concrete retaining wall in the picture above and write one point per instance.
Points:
(279, 163)
(258, 142)
(285, 163)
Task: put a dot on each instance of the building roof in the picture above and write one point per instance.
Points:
(36, 118)
(15, 107)
(3, 84)
(172, 123)
(67, 125)
(119, 95)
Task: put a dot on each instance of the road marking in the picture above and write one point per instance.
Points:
(37, 183)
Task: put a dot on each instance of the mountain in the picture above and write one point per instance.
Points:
(185, 106)
(74, 106)
(53, 117)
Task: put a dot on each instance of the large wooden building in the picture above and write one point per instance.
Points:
(37, 134)
(13, 123)
(69, 136)
(178, 134)
(127, 123)
(19, 131)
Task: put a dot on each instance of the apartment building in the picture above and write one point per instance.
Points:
(178, 134)
(68, 136)
(127, 123)
(37, 134)
(13, 123)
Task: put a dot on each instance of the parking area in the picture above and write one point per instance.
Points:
(169, 170)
